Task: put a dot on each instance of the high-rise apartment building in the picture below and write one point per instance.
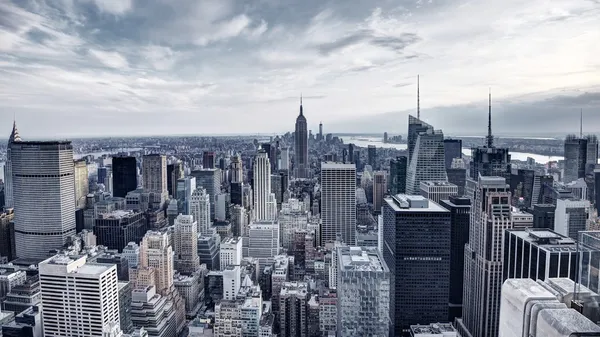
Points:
(490, 217)
(293, 309)
(571, 216)
(452, 150)
(379, 189)
(42, 171)
(210, 180)
(200, 209)
(460, 217)
(363, 287)
(438, 190)
(338, 202)
(118, 228)
(265, 204)
(416, 249)
(426, 161)
(124, 176)
(154, 173)
(82, 186)
(301, 165)
(398, 168)
(186, 244)
(231, 252)
(79, 298)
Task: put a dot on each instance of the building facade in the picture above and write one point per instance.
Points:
(301, 167)
(338, 202)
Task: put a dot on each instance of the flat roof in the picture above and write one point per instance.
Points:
(552, 241)
(335, 165)
(436, 183)
(396, 200)
(360, 259)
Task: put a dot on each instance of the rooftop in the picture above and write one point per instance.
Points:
(434, 328)
(546, 239)
(334, 165)
(413, 203)
(118, 214)
(360, 259)
(437, 183)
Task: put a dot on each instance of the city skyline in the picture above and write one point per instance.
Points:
(103, 65)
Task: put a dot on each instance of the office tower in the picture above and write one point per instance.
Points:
(8, 170)
(28, 323)
(438, 190)
(313, 316)
(293, 305)
(186, 244)
(153, 312)
(124, 175)
(82, 186)
(328, 312)
(237, 193)
(263, 240)
(379, 189)
(154, 173)
(285, 159)
(237, 171)
(363, 288)
(538, 309)
(452, 150)
(427, 158)
(575, 158)
(301, 146)
(592, 152)
(209, 180)
(490, 217)
(7, 235)
(460, 216)
(571, 216)
(190, 288)
(372, 156)
(231, 252)
(222, 203)
(156, 253)
(200, 209)
(543, 216)
(185, 187)
(208, 160)
(458, 177)
(416, 248)
(489, 160)
(321, 131)
(174, 173)
(232, 281)
(208, 250)
(415, 127)
(125, 305)
(265, 206)
(293, 216)
(102, 173)
(351, 153)
(538, 254)
(132, 253)
(277, 187)
(521, 187)
(398, 170)
(110, 257)
(67, 281)
(118, 228)
(338, 202)
(597, 189)
(42, 171)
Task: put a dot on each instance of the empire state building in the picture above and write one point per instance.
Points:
(301, 146)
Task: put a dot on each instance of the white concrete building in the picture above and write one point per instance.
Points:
(200, 209)
(78, 298)
(571, 216)
(186, 244)
(231, 252)
(263, 240)
(265, 204)
(338, 202)
(438, 190)
(232, 281)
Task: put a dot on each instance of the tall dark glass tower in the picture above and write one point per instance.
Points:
(575, 158)
(124, 175)
(398, 169)
(301, 145)
(452, 149)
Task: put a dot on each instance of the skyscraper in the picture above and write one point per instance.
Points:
(8, 176)
(293, 316)
(82, 186)
(118, 228)
(372, 156)
(154, 173)
(338, 202)
(571, 216)
(460, 216)
(379, 189)
(438, 190)
(416, 249)
(237, 172)
(186, 244)
(200, 209)
(79, 298)
(426, 161)
(301, 146)
(174, 173)
(490, 217)
(42, 171)
(124, 175)
(351, 153)
(398, 169)
(363, 286)
(210, 180)
(265, 205)
(576, 150)
(452, 150)
(208, 159)
(489, 160)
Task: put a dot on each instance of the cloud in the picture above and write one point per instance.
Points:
(117, 7)
(110, 58)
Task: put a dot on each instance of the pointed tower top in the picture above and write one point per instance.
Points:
(490, 137)
(300, 104)
(418, 100)
(14, 135)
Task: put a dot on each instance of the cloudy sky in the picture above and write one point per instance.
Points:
(127, 67)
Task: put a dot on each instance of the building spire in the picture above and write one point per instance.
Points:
(14, 135)
(300, 104)
(418, 100)
(490, 137)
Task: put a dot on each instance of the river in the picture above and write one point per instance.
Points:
(366, 141)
